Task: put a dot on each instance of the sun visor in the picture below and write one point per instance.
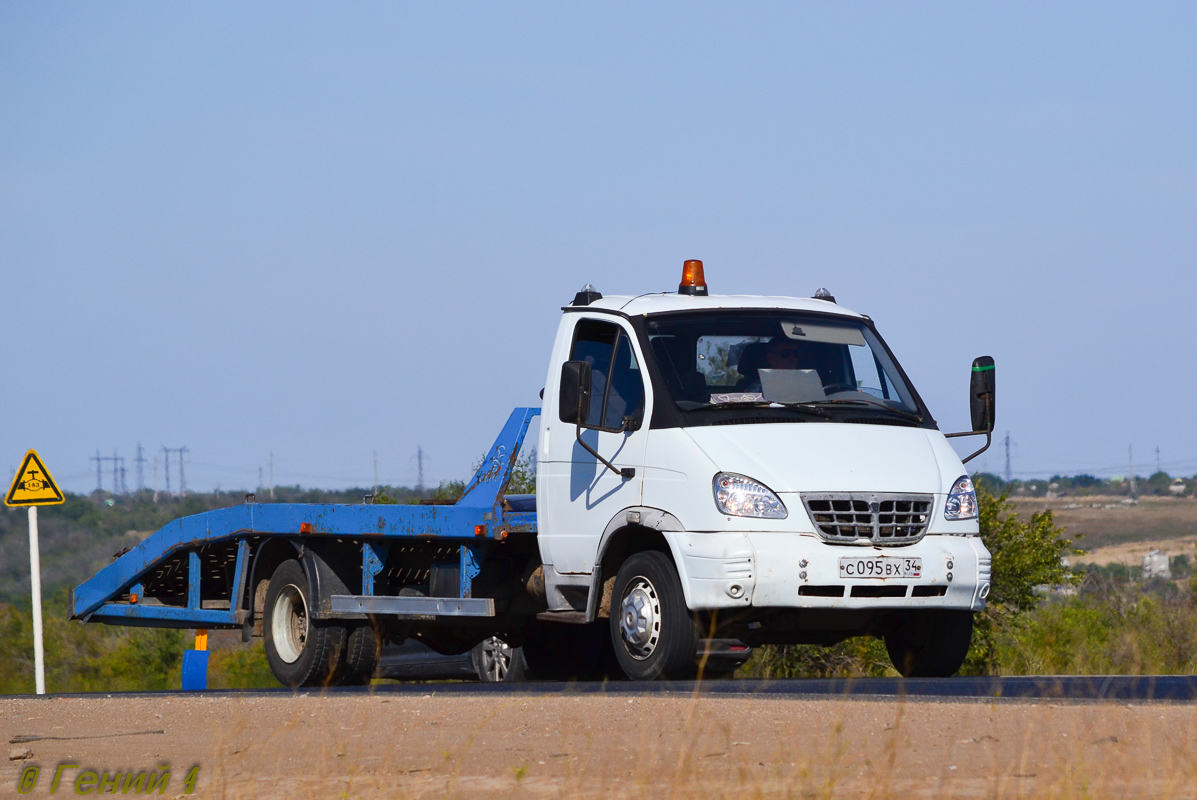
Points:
(828, 334)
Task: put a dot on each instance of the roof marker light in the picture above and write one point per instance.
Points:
(587, 296)
(823, 294)
(693, 281)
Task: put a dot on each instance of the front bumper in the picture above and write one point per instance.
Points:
(771, 569)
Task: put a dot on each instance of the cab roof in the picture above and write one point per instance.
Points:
(634, 305)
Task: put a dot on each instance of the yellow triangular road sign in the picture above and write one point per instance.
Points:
(33, 485)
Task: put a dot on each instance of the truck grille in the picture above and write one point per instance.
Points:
(880, 519)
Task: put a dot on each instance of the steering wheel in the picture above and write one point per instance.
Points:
(835, 388)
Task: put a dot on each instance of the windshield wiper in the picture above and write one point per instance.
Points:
(877, 405)
(808, 408)
(736, 404)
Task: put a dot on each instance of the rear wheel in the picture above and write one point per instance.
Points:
(930, 644)
(499, 662)
(651, 629)
(363, 648)
(301, 651)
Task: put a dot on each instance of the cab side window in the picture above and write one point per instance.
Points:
(617, 386)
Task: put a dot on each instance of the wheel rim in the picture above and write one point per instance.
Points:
(640, 618)
(496, 659)
(289, 623)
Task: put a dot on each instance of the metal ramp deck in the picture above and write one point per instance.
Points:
(216, 548)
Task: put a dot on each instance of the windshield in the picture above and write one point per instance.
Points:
(713, 360)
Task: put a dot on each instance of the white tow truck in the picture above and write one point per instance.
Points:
(714, 473)
(758, 468)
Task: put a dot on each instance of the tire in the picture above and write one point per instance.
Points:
(930, 644)
(301, 651)
(363, 648)
(498, 662)
(652, 631)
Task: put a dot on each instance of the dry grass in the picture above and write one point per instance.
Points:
(1130, 554)
(392, 745)
(1101, 522)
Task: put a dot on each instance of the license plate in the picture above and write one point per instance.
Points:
(880, 567)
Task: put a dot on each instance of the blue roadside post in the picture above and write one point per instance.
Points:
(195, 664)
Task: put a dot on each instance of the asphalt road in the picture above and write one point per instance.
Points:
(1172, 688)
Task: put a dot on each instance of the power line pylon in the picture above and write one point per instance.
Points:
(1008, 475)
(420, 468)
(140, 462)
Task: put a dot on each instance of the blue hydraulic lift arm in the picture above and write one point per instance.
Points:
(478, 515)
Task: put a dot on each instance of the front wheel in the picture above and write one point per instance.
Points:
(301, 651)
(651, 629)
(930, 644)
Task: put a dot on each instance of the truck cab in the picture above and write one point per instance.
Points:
(753, 468)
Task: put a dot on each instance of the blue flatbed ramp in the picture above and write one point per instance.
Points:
(479, 518)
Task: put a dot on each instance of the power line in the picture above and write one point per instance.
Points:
(166, 460)
(118, 472)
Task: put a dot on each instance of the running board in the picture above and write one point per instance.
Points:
(424, 606)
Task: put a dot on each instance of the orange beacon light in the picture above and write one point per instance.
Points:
(693, 281)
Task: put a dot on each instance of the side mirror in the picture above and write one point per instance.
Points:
(981, 394)
(573, 404)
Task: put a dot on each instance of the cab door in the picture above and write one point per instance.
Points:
(579, 495)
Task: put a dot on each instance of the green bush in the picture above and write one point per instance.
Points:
(103, 658)
(861, 657)
(1108, 628)
(1026, 554)
(241, 667)
(86, 658)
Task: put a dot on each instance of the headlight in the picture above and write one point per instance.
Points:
(962, 500)
(740, 496)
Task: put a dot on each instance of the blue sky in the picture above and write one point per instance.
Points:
(328, 230)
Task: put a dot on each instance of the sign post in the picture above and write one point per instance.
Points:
(34, 487)
(35, 585)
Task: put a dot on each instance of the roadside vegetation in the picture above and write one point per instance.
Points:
(102, 658)
(1158, 484)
